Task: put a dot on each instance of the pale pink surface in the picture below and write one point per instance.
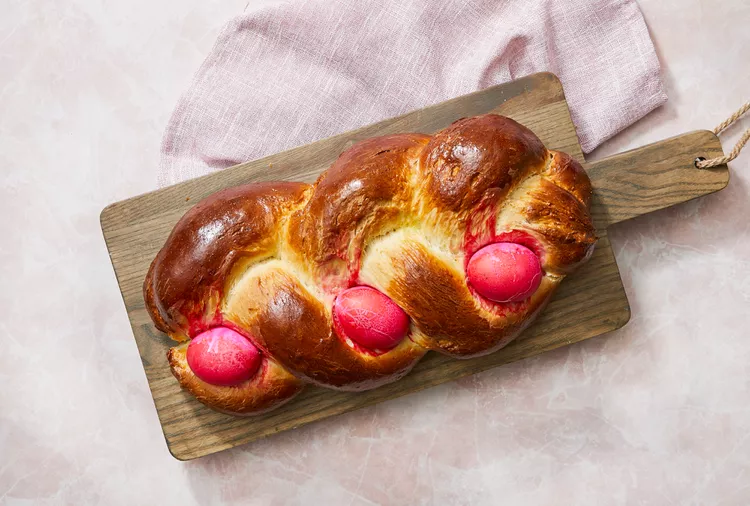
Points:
(221, 356)
(656, 413)
(288, 73)
(370, 318)
(504, 272)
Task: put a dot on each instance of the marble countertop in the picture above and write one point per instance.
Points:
(656, 413)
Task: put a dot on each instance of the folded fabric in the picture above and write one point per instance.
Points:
(287, 73)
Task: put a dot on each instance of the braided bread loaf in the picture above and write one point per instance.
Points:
(407, 243)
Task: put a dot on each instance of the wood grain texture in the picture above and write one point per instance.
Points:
(588, 303)
(655, 177)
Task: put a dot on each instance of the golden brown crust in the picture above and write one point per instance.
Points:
(402, 213)
(564, 222)
(451, 319)
(474, 155)
(359, 197)
(567, 173)
(291, 325)
(187, 276)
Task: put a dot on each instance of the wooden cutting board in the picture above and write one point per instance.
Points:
(588, 303)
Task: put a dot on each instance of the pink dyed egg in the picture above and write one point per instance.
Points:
(504, 272)
(370, 318)
(223, 357)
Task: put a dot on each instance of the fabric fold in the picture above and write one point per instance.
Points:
(284, 74)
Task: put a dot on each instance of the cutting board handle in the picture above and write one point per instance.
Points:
(654, 177)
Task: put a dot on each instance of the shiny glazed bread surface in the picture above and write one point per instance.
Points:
(400, 213)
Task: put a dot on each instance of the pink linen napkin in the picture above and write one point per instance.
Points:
(285, 73)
